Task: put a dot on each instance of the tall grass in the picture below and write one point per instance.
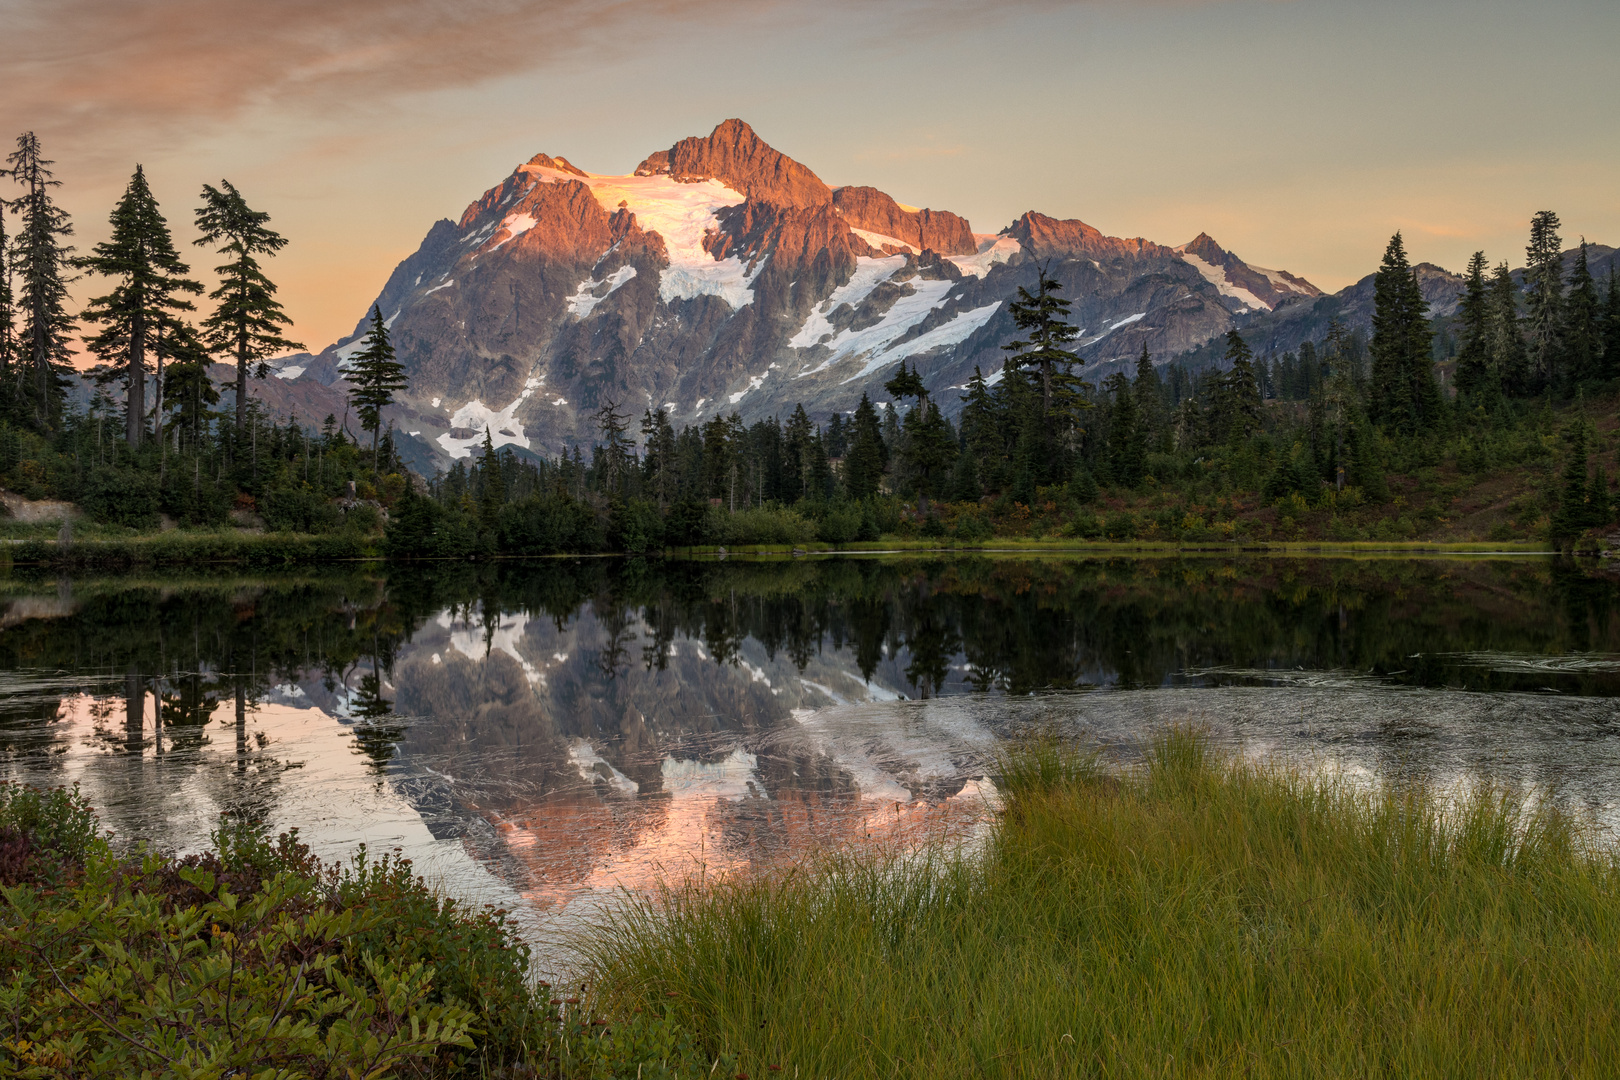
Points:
(1195, 916)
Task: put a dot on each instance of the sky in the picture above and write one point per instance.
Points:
(1300, 134)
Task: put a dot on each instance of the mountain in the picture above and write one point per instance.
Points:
(724, 276)
(1288, 324)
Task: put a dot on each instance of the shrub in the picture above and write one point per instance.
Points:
(254, 958)
(767, 525)
(1120, 525)
(120, 497)
(840, 524)
(302, 510)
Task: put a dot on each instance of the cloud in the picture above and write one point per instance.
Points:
(82, 67)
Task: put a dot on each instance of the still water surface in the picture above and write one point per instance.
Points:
(541, 735)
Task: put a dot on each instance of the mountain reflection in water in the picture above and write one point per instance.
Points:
(540, 734)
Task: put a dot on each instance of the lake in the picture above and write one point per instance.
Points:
(543, 734)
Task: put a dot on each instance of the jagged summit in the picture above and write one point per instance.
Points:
(724, 276)
(734, 155)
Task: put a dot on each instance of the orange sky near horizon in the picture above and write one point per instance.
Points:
(1299, 133)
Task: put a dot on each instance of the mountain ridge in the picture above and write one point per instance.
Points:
(724, 276)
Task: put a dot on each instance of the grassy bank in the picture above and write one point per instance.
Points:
(188, 548)
(1195, 917)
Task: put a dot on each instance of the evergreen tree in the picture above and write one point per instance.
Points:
(40, 261)
(1582, 321)
(797, 454)
(187, 389)
(374, 378)
(1404, 393)
(617, 457)
(1599, 509)
(718, 458)
(930, 447)
(1127, 458)
(1149, 393)
(1575, 511)
(491, 485)
(8, 316)
(1473, 358)
(906, 384)
(1310, 368)
(141, 259)
(659, 462)
(1611, 328)
(1043, 317)
(834, 437)
(1508, 354)
(821, 474)
(1544, 301)
(248, 322)
(865, 460)
(1236, 405)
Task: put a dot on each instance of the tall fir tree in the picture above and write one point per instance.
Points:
(617, 451)
(659, 461)
(1474, 352)
(141, 310)
(1611, 327)
(8, 316)
(1583, 332)
(375, 376)
(1149, 392)
(1544, 300)
(867, 456)
(1043, 317)
(1127, 456)
(41, 262)
(1404, 393)
(1236, 405)
(1575, 510)
(981, 439)
(1508, 354)
(248, 322)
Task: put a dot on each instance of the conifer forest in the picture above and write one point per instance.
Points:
(1495, 423)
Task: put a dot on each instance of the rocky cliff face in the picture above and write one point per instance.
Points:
(724, 276)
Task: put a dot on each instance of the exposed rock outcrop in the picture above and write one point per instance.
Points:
(740, 159)
(938, 230)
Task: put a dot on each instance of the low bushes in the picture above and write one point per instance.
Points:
(255, 959)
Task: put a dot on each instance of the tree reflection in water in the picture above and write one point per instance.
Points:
(558, 715)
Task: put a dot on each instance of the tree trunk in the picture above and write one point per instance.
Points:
(134, 711)
(241, 728)
(241, 371)
(135, 403)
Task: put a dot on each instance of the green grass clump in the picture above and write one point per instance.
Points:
(1194, 916)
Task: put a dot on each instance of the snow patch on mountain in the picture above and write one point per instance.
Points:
(584, 300)
(753, 384)
(1126, 321)
(877, 240)
(514, 226)
(681, 214)
(907, 312)
(993, 249)
(869, 274)
(954, 332)
(503, 426)
(1217, 277)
